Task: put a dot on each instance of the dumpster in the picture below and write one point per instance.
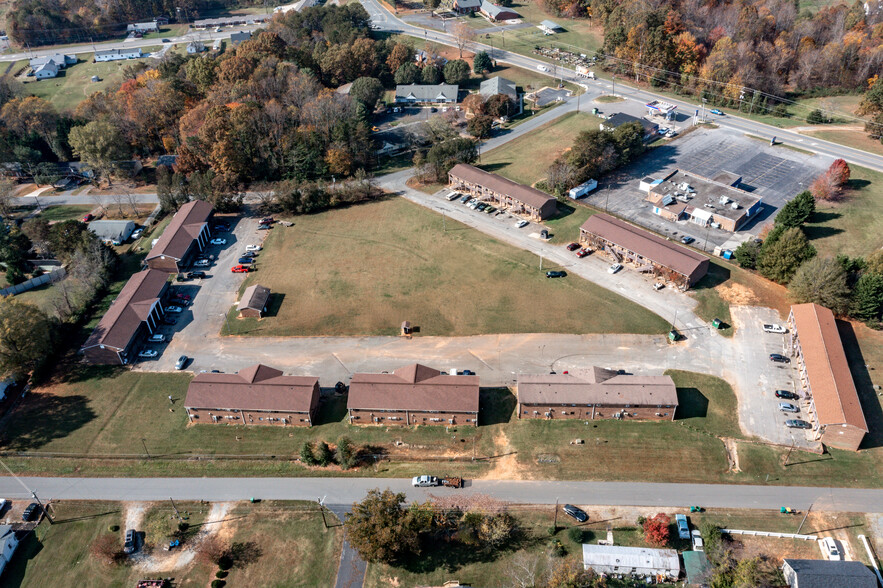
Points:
(595, 111)
(716, 323)
(673, 335)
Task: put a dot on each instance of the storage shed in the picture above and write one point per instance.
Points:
(254, 302)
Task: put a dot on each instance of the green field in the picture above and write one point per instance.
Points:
(526, 159)
(293, 546)
(401, 264)
(564, 228)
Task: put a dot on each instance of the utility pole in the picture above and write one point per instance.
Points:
(444, 222)
(43, 509)
(707, 231)
(321, 502)
(790, 449)
(555, 524)
(614, 84)
(144, 443)
(33, 492)
(541, 262)
(177, 512)
(804, 519)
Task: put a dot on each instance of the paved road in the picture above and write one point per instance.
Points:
(387, 22)
(344, 491)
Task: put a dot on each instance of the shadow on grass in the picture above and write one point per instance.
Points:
(29, 548)
(814, 232)
(564, 211)
(856, 184)
(492, 167)
(824, 216)
(497, 406)
(452, 556)
(717, 275)
(47, 418)
(274, 303)
(86, 517)
(331, 410)
(865, 387)
(691, 404)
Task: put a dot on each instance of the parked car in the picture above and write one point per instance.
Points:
(658, 286)
(264, 227)
(240, 269)
(575, 512)
(202, 263)
(219, 241)
(521, 224)
(182, 362)
(251, 254)
(716, 111)
(788, 407)
(157, 338)
(166, 41)
(683, 526)
(88, 217)
(424, 481)
(830, 549)
(268, 220)
(779, 358)
(169, 320)
(556, 274)
(453, 196)
(786, 395)
(481, 206)
(196, 275)
(583, 252)
(174, 309)
(614, 268)
(778, 329)
(181, 296)
(490, 209)
(465, 198)
(136, 234)
(573, 246)
(797, 424)
(252, 247)
(467, 373)
(698, 544)
(686, 239)
(131, 542)
(245, 260)
(32, 511)
(148, 353)
(221, 228)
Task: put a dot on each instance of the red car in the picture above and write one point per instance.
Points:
(267, 220)
(88, 217)
(582, 252)
(182, 296)
(240, 269)
(573, 247)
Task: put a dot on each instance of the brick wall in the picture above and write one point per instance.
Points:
(236, 417)
(403, 418)
(843, 437)
(643, 413)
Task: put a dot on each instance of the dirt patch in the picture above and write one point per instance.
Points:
(732, 454)
(505, 461)
(166, 561)
(134, 515)
(737, 294)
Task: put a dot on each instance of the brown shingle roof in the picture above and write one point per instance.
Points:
(581, 388)
(830, 380)
(530, 196)
(652, 247)
(414, 387)
(184, 228)
(258, 387)
(131, 307)
(255, 297)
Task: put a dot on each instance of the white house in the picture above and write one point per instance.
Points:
(46, 71)
(143, 27)
(9, 539)
(195, 47)
(636, 561)
(118, 54)
(60, 59)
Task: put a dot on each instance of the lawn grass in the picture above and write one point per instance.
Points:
(420, 272)
(711, 306)
(608, 99)
(526, 159)
(564, 227)
(65, 212)
(855, 139)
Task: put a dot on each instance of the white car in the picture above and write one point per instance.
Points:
(3, 504)
(778, 329)
(219, 241)
(542, 68)
(174, 309)
(252, 247)
(614, 268)
(830, 549)
(157, 338)
(698, 545)
(658, 286)
(453, 196)
(137, 234)
(521, 224)
(148, 353)
(202, 263)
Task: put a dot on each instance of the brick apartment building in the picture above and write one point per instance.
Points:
(514, 197)
(186, 235)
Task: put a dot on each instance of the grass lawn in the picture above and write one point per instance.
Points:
(856, 139)
(525, 159)
(608, 99)
(421, 273)
(565, 226)
(293, 547)
(711, 306)
(65, 212)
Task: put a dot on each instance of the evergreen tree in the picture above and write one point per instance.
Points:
(781, 259)
(481, 63)
(867, 297)
(797, 211)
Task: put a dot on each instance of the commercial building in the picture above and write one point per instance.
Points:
(835, 409)
(186, 235)
(257, 395)
(717, 202)
(647, 252)
(820, 573)
(620, 118)
(633, 561)
(254, 302)
(427, 94)
(497, 85)
(413, 395)
(495, 12)
(112, 231)
(136, 311)
(596, 393)
(118, 54)
(516, 198)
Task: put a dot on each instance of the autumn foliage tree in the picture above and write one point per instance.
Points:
(656, 529)
(382, 528)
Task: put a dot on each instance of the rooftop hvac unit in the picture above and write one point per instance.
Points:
(734, 206)
(724, 200)
(667, 200)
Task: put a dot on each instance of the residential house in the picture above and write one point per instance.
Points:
(136, 311)
(596, 393)
(9, 540)
(61, 60)
(46, 71)
(143, 27)
(497, 85)
(413, 395)
(617, 120)
(550, 28)
(254, 302)
(195, 47)
(631, 561)
(118, 54)
(516, 198)
(237, 38)
(167, 160)
(257, 395)
(427, 94)
(648, 252)
(186, 235)
(834, 406)
(821, 573)
(112, 231)
(466, 6)
(496, 13)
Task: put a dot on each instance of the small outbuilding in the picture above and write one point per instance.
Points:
(254, 302)
(549, 28)
(632, 561)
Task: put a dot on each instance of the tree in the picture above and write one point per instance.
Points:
(456, 72)
(381, 528)
(46, 172)
(431, 4)
(25, 337)
(306, 454)
(367, 91)
(496, 530)
(780, 260)
(867, 297)
(874, 262)
(816, 117)
(463, 35)
(37, 230)
(499, 105)
(444, 155)
(481, 63)
(407, 73)
(7, 196)
(480, 126)
(98, 143)
(325, 456)
(656, 529)
(431, 74)
(398, 56)
(821, 280)
(346, 453)
(746, 254)
(474, 103)
(65, 237)
(797, 211)
(839, 172)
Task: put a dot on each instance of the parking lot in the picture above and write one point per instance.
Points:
(776, 174)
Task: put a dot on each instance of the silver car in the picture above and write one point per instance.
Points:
(788, 407)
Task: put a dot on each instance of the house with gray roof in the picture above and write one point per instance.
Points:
(237, 38)
(427, 94)
(497, 85)
(495, 12)
(118, 54)
(549, 27)
(46, 71)
(9, 539)
(821, 573)
(466, 6)
(112, 231)
(631, 561)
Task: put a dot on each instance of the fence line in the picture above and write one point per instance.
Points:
(769, 534)
(52, 276)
